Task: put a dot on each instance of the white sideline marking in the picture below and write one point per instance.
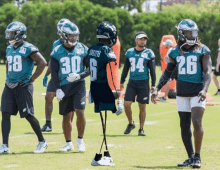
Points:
(91, 124)
(43, 94)
(169, 147)
(150, 123)
(110, 145)
(11, 166)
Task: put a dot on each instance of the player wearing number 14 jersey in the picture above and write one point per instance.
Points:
(139, 60)
(67, 69)
(194, 75)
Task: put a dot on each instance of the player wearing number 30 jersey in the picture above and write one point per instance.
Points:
(67, 69)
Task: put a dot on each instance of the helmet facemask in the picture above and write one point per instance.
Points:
(13, 37)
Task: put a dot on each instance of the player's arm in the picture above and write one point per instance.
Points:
(207, 68)
(41, 63)
(55, 72)
(125, 72)
(48, 70)
(46, 75)
(151, 66)
(164, 78)
(218, 62)
(86, 72)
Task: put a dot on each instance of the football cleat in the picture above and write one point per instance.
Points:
(217, 93)
(107, 156)
(141, 132)
(130, 127)
(196, 162)
(162, 99)
(99, 161)
(81, 145)
(67, 147)
(187, 162)
(46, 128)
(41, 147)
(4, 149)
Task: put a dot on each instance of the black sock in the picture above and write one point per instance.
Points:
(68, 140)
(185, 122)
(48, 123)
(197, 155)
(6, 127)
(80, 137)
(36, 127)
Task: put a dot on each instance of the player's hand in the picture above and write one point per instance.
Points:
(154, 96)
(73, 77)
(152, 89)
(120, 107)
(202, 95)
(121, 86)
(60, 94)
(45, 81)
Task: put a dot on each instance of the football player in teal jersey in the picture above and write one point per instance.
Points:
(51, 90)
(100, 55)
(194, 75)
(139, 60)
(217, 70)
(18, 91)
(68, 61)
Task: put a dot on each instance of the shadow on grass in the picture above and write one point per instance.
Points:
(121, 135)
(46, 152)
(159, 167)
(45, 133)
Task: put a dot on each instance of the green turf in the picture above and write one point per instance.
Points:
(162, 148)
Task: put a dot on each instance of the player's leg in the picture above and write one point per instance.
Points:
(197, 115)
(8, 108)
(215, 74)
(49, 106)
(142, 116)
(129, 98)
(184, 110)
(24, 98)
(79, 103)
(66, 110)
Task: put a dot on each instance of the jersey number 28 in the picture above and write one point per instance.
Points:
(14, 63)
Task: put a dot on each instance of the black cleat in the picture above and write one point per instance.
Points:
(141, 132)
(196, 162)
(130, 127)
(187, 162)
(217, 93)
(46, 128)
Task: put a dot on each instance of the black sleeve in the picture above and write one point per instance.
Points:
(125, 70)
(55, 72)
(151, 66)
(166, 75)
(86, 72)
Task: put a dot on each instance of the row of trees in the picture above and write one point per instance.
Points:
(41, 19)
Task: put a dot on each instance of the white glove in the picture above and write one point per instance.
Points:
(120, 107)
(60, 94)
(73, 77)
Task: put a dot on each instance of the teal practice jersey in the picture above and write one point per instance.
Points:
(20, 64)
(138, 63)
(99, 56)
(56, 43)
(70, 60)
(190, 64)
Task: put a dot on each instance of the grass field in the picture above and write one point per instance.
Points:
(162, 148)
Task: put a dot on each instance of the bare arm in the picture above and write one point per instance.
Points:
(41, 63)
(207, 68)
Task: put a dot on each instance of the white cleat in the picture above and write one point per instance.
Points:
(41, 147)
(102, 162)
(67, 147)
(107, 158)
(81, 145)
(4, 149)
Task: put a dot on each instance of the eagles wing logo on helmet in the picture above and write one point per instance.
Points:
(107, 30)
(188, 32)
(60, 24)
(15, 32)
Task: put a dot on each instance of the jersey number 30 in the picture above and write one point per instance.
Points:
(66, 65)
(14, 63)
(187, 65)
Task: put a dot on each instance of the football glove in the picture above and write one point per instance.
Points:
(45, 81)
(120, 107)
(60, 94)
(73, 77)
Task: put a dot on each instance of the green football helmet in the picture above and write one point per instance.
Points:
(60, 24)
(188, 32)
(70, 33)
(15, 32)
